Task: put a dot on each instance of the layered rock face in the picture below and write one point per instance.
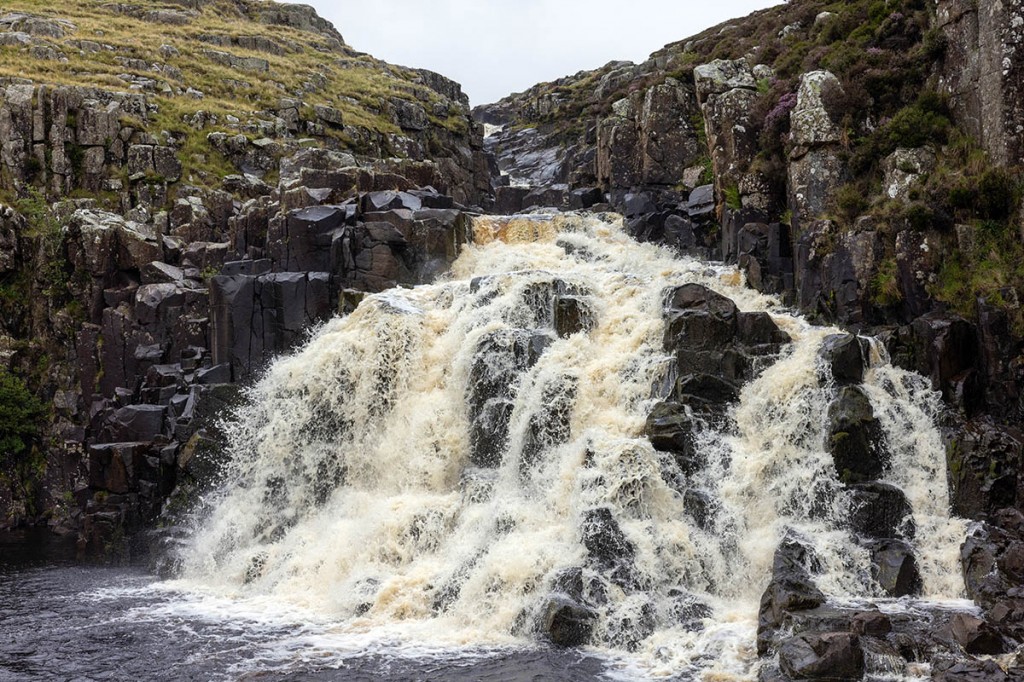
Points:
(983, 72)
(158, 252)
(835, 181)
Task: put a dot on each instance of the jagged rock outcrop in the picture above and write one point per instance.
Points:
(815, 167)
(213, 238)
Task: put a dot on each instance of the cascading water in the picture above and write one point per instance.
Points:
(454, 463)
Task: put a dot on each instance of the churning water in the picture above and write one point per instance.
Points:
(419, 477)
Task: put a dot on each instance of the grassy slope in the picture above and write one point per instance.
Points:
(313, 69)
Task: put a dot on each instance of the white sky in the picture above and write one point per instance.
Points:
(497, 47)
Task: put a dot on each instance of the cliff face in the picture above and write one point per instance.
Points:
(863, 161)
(187, 189)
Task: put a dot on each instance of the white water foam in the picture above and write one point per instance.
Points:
(351, 491)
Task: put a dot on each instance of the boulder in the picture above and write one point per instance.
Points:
(894, 568)
(567, 623)
(828, 656)
(880, 510)
(855, 437)
(791, 589)
(845, 356)
(975, 635)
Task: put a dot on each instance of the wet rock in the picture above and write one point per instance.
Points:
(670, 429)
(880, 510)
(968, 671)
(499, 359)
(791, 589)
(871, 624)
(628, 625)
(551, 425)
(975, 635)
(846, 357)
(572, 316)
(709, 335)
(854, 437)
(894, 568)
(567, 623)
(830, 656)
(992, 559)
(701, 507)
(604, 540)
(688, 611)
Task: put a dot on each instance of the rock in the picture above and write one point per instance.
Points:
(854, 437)
(638, 204)
(880, 510)
(708, 335)
(871, 624)
(604, 540)
(585, 197)
(609, 549)
(156, 272)
(409, 115)
(814, 177)
(903, 169)
(670, 428)
(668, 142)
(572, 316)
(992, 559)
(328, 115)
(218, 374)
(701, 200)
(830, 656)
(791, 589)
(550, 425)
(846, 357)
(499, 358)
(567, 623)
(981, 69)
(894, 568)
(810, 120)
(975, 635)
(968, 671)
(138, 423)
(723, 75)
(984, 463)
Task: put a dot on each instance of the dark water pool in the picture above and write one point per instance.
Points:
(64, 621)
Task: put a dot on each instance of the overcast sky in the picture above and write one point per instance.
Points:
(497, 47)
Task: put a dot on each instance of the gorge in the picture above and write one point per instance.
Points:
(705, 368)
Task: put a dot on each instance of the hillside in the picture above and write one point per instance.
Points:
(185, 189)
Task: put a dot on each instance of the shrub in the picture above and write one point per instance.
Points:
(21, 415)
(851, 202)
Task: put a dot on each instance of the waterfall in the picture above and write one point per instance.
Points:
(444, 462)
